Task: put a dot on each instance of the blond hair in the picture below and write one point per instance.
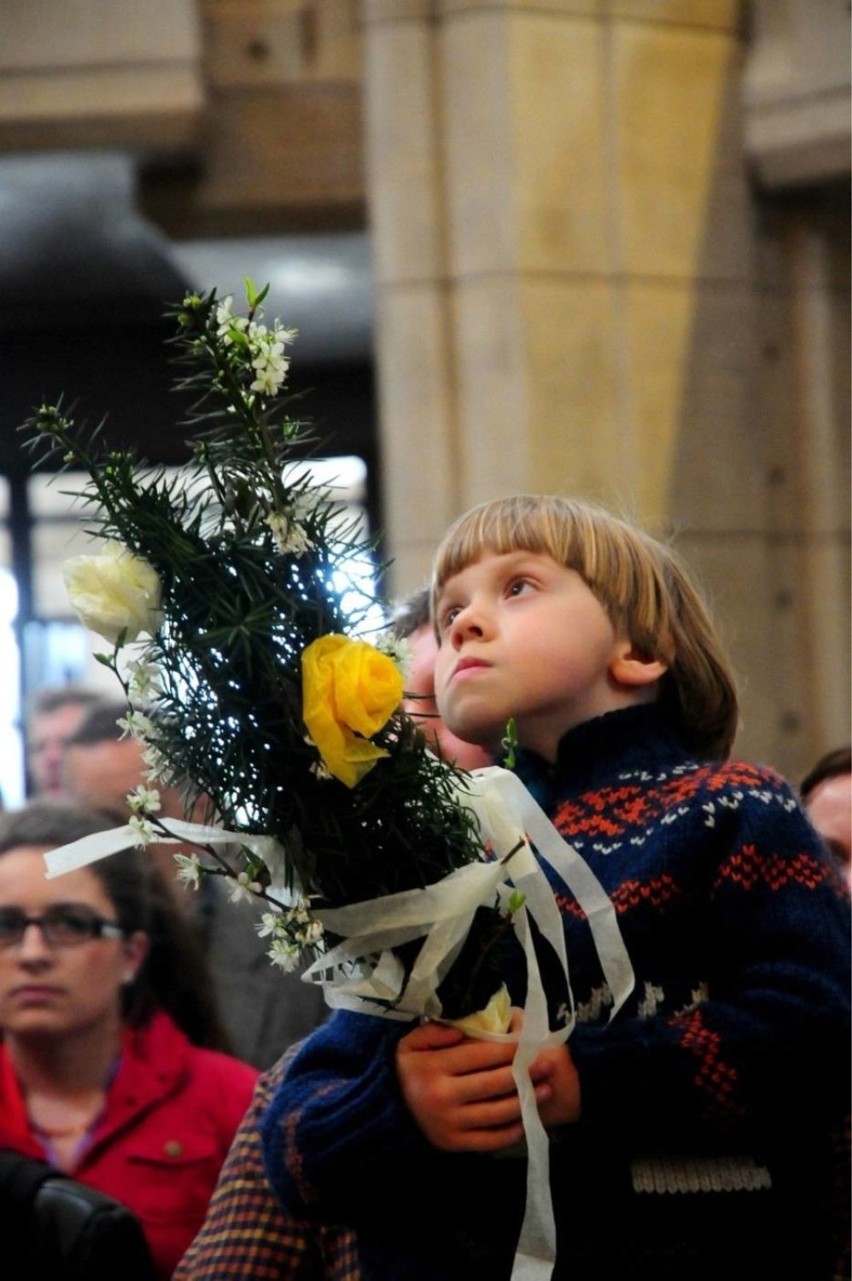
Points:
(640, 582)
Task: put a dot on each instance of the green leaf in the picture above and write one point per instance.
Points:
(253, 298)
(509, 743)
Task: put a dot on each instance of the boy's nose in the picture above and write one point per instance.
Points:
(469, 622)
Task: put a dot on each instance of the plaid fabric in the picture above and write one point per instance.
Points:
(246, 1232)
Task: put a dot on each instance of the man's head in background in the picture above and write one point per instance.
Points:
(54, 717)
(102, 764)
(411, 622)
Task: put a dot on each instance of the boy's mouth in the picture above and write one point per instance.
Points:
(467, 665)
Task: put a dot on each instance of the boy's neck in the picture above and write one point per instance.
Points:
(547, 744)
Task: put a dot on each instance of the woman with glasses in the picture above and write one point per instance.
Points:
(111, 1065)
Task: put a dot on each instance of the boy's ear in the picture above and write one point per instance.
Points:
(629, 666)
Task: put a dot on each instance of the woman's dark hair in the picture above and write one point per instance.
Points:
(411, 613)
(832, 765)
(174, 976)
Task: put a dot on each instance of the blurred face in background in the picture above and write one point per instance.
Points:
(421, 682)
(100, 775)
(829, 806)
(47, 740)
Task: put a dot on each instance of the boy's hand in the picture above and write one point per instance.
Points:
(461, 1091)
(554, 1068)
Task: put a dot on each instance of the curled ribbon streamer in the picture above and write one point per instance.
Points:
(67, 858)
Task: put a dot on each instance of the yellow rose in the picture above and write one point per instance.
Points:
(114, 592)
(496, 1017)
(349, 692)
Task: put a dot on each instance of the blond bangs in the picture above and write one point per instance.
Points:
(525, 522)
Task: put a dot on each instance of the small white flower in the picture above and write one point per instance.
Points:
(284, 335)
(291, 931)
(144, 798)
(268, 352)
(143, 680)
(244, 888)
(143, 828)
(283, 954)
(320, 770)
(397, 648)
(228, 324)
(137, 725)
(312, 933)
(154, 761)
(224, 312)
(270, 378)
(298, 541)
(189, 869)
(269, 923)
(290, 536)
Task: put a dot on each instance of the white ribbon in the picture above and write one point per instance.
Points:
(364, 973)
(89, 849)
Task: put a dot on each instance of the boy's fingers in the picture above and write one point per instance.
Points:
(431, 1036)
(491, 1084)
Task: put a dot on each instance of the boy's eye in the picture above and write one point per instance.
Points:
(447, 616)
(518, 586)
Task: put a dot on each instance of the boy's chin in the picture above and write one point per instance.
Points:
(483, 738)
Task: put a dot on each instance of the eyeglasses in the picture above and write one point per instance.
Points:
(61, 926)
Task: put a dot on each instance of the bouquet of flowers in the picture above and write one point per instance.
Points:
(396, 877)
(248, 683)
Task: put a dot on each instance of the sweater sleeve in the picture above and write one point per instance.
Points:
(337, 1128)
(766, 1047)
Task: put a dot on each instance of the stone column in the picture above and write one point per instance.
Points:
(554, 223)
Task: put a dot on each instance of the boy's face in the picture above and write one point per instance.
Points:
(524, 637)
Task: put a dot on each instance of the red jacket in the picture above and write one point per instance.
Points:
(170, 1116)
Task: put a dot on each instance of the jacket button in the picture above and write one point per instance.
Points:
(173, 1148)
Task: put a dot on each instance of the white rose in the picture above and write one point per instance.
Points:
(114, 592)
(496, 1017)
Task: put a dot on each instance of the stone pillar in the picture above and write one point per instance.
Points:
(551, 214)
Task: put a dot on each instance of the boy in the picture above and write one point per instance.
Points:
(694, 1133)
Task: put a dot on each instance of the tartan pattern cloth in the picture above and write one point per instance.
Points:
(246, 1233)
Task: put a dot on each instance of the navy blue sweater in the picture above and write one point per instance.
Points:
(709, 1105)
